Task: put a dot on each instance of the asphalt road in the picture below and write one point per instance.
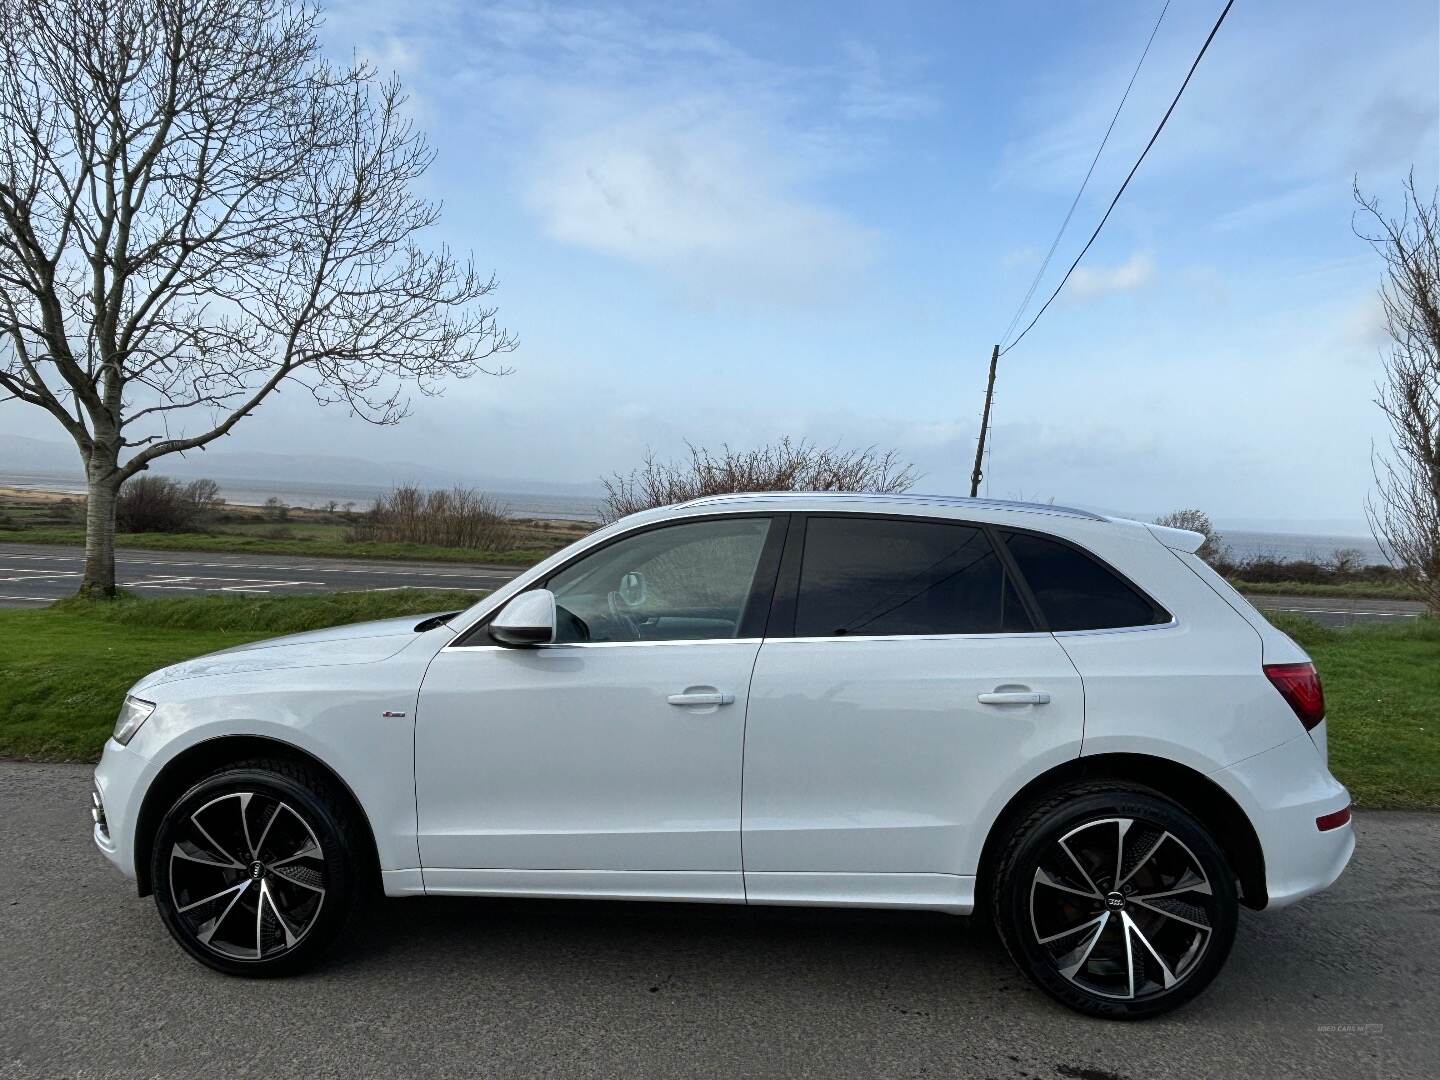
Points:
(1333, 611)
(33, 575)
(1346, 984)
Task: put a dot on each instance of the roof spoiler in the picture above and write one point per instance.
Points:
(1177, 539)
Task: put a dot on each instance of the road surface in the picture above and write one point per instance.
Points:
(33, 575)
(1332, 611)
(1346, 984)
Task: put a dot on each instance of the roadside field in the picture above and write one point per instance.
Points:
(28, 517)
(1359, 590)
(64, 669)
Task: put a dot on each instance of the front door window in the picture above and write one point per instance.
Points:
(681, 582)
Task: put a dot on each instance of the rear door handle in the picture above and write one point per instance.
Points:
(698, 697)
(1014, 697)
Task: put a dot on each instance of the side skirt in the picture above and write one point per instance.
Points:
(950, 893)
(698, 886)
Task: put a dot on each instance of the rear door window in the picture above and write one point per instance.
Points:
(1076, 591)
(880, 576)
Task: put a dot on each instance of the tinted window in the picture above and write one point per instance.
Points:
(874, 576)
(682, 581)
(1075, 592)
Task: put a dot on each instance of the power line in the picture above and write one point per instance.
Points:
(1199, 56)
(1045, 265)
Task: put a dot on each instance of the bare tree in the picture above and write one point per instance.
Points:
(787, 465)
(1214, 548)
(195, 209)
(1404, 512)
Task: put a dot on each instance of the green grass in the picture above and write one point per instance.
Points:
(64, 670)
(317, 541)
(1359, 590)
(1382, 697)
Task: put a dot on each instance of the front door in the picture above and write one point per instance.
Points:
(901, 687)
(609, 762)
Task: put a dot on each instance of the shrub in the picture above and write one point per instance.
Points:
(1213, 550)
(457, 517)
(159, 504)
(787, 465)
(275, 510)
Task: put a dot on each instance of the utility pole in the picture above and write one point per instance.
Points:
(984, 425)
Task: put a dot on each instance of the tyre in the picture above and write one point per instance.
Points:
(256, 868)
(1115, 901)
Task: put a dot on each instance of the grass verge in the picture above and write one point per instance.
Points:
(64, 669)
(1382, 698)
(1357, 590)
(237, 543)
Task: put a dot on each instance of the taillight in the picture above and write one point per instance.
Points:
(1299, 684)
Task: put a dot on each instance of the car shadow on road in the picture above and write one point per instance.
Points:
(656, 945)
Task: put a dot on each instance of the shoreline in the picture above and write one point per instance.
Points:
(249, 498)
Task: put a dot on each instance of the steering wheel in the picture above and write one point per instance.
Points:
(621, 617)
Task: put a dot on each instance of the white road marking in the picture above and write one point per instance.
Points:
(24, 574)
(1348, 611)
(33, 599)
(460, 572)
(453, 588)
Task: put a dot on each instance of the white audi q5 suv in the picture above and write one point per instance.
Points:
(1066, 720)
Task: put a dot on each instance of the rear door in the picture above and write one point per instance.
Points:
(901, 687)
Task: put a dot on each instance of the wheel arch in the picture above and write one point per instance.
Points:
(206, 757)
(1197, 793)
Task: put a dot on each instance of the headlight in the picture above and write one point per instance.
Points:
(132, 714)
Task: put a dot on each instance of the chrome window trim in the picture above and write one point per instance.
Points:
(911, 637)
(613, 644)
(1172, 624)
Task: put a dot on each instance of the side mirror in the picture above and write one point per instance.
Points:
(632, 589)
(527, 620)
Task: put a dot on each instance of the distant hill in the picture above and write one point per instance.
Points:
(21, 454)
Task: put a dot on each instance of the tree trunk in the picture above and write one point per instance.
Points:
(102, 488)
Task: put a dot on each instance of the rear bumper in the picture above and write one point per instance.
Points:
(1283, 791)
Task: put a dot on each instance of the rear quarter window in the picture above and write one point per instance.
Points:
(1075, 591)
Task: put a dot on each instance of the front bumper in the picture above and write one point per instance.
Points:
(118, 784)
(1283, 791)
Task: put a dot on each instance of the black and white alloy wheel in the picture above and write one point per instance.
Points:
(247, 875)
(253, 868)
(1117, 903)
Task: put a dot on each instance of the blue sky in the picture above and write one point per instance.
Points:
(729, 221)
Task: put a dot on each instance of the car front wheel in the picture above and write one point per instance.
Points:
(255, 868)
(1115, 901)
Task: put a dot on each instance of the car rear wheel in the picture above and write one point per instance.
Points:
(255, 868)
(1115, 901)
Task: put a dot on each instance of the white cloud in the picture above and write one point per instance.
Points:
(1363, 327)
(643, 139)
(1133, 273)
(1023, 258)
(698, 195)
(1278, 104)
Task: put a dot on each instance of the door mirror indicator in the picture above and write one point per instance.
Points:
(526, 621)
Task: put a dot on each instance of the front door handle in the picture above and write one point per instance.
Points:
(701, 697)
(1014, 697)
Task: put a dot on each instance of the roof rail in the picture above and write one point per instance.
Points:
(934, 500)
